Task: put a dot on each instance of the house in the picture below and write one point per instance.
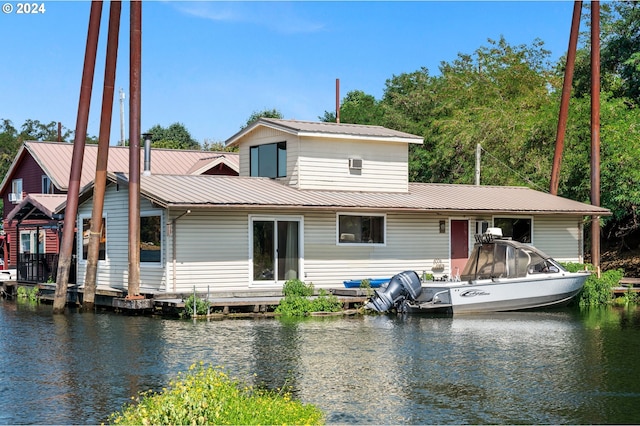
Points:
(322, 202)
(36, 184)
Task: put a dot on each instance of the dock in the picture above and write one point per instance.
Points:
(249, 303)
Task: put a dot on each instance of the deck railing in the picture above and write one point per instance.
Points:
(41, 268)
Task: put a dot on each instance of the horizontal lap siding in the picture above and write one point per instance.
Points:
(324, 165)
(115, 271)
(413, 242)
(559, 237)
(211, 252)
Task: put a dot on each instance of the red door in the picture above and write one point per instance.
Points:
(459, 246)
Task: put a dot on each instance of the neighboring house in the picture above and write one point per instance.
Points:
(36, 184)
(322, 202)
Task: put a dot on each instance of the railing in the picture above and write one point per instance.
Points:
(41, 268)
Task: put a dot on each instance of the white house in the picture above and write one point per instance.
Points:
(323, 202)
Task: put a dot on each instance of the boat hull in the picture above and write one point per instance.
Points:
(498, 294)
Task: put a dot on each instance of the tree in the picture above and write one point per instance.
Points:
(176, 136)
(266, 113)
(357, 108)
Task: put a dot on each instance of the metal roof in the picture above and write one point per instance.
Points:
(328, 130)
(55, 159)
(37, 206)
(263, 193)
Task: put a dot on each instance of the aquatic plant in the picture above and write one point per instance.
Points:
(25, 293)
(207, 395)
(598, 291)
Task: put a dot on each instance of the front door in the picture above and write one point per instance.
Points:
(459, 246)
(275, 250)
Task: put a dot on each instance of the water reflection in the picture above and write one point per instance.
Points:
(543, 367)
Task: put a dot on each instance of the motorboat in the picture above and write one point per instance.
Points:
(500, 275)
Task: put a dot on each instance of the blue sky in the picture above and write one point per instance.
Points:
(210, 64)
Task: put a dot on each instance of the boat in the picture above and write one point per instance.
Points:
(373, 282)
(500, 275)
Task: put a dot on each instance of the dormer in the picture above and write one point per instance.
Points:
(325, 156)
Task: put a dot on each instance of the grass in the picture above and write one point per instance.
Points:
(207, 395)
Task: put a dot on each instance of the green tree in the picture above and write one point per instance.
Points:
(266, 113)
(357, 108)
(176, 136)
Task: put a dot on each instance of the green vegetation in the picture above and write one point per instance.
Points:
(206, 395)
(298, 301)
(28, 294)
(201, 308)
(598, 291)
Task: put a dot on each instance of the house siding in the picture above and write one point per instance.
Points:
(114, 270)
(560, 238)
(323, 163)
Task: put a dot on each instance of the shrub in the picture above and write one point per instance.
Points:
(297, 302)
(206, 395)
(30, 294)
(597, 291)
(202, 306)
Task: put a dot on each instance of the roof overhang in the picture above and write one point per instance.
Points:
(38, 207)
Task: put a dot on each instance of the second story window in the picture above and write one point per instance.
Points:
(269, 160)
(16, 191)
(47, 186)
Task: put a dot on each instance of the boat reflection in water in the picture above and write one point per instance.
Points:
(500, 275)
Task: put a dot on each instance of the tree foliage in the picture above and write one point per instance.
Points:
(176, 136)
(266, 113)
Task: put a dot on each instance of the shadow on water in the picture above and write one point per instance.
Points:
(556, 367)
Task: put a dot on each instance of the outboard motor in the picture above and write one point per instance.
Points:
(401, 286)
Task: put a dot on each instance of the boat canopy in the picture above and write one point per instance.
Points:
(506, 259)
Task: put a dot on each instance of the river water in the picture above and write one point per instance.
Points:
(557, 367)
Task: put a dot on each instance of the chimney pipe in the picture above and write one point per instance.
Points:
(147, 154)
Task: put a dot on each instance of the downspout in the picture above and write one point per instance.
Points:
(173, 247)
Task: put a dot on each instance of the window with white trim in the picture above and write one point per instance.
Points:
(518, 228)
(86, 232)
(47, 185)
(361, 229)
(16, 191)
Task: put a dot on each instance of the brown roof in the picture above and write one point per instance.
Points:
(324, 129)
(252, 192)
(55, 159)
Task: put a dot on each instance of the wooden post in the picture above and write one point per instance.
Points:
(595, 131)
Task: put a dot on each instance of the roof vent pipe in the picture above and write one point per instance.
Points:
(147, 154)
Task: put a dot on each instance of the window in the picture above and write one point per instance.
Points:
(86, 232)
(356, 229)
(16, 191)
(47, 185)
(519, 229)
(151, 239)
(269, 160)
(29, 239)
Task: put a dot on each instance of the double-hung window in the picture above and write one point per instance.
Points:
(268, 160)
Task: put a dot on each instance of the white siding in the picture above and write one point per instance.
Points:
(559, 237)
(114, 271)
(324, 163)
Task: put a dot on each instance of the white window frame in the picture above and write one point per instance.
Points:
(276, 218)
(17, 188)
(33, 240)
(47, 185)
(506, 216)
(80, 242)
(163, 250)
(384, 229)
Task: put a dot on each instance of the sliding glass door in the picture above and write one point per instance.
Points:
(275, 251)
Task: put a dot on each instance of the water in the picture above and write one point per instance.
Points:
(561, 367)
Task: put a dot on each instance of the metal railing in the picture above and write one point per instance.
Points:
(41, 268)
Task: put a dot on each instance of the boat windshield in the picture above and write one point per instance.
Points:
(503, 260)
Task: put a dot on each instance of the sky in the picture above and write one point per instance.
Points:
(210, 64)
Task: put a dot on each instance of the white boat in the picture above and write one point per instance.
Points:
(500, 275)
